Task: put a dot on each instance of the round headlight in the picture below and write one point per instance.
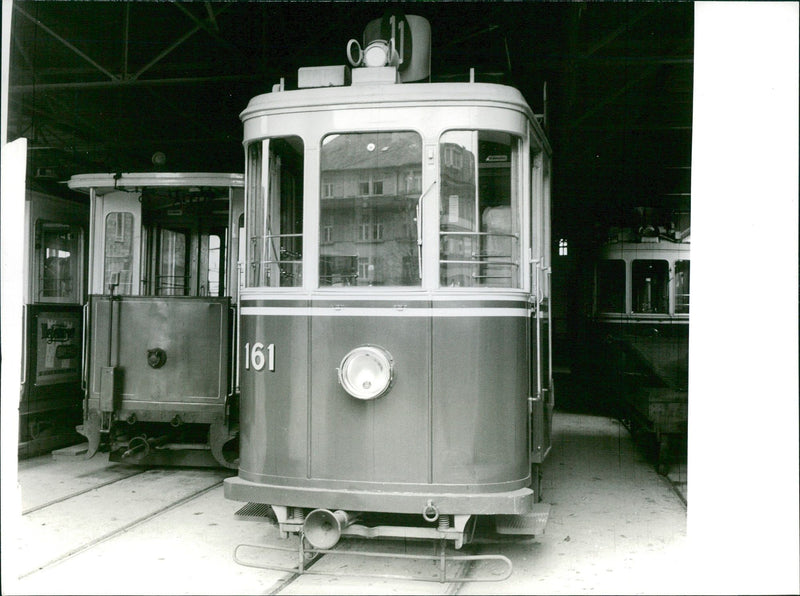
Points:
(367, 372)
(376, 53)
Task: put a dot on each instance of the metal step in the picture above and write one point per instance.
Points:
(529, 524)
(255, 512)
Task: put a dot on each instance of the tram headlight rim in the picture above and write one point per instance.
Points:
(352, 368)
(376, 54)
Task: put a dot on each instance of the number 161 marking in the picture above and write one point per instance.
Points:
(256, 357)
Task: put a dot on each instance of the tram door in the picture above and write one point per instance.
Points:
(161, 317)
(542, 391)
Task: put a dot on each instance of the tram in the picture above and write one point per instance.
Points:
(641, 326)
(55, 249)
(160, 319)
(395, 316)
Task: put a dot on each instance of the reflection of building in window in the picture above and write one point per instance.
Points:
(454, 156)
(368, 187)
(563, 248)
(413, 180)
(338, 271)
(479, 209)
(366, 270)
(376, 177)
(649, 285)
(370, 231)
(118, 251)
(119, 226)
(327, 232)
(172, 271)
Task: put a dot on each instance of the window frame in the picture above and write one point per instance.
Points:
(477, 238)
(276, 183)
(371, 222)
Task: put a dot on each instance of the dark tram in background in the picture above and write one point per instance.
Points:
(394, 346)
(638, 346)
(54, 290)
(160, 321)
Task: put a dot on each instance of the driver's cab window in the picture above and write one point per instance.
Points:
(370, 192)
(479, 209)
(274, 193)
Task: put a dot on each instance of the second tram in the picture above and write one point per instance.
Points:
(641, 332)
(395, 336)
(160, 321)
(56, 236)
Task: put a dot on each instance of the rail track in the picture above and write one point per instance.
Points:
(94, 527)
(83, 517)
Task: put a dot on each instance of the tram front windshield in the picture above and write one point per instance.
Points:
(371, 198)
(370, 189)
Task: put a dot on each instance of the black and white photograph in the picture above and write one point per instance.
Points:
(399, 298)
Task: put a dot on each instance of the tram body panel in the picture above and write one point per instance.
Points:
(54, 333)
(480, 399)
(274, 407)
(366, 440)
(193, 335)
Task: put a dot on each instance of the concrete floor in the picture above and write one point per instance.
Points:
(616, 526)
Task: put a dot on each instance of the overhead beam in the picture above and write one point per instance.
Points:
(125, 33)
(212, 29)
(175, 45)
(211, 16)
(130, 83)
(620, 30)
(47, 29)
(646, 73)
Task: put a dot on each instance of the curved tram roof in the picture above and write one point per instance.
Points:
(109, 182)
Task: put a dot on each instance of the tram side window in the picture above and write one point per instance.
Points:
(370, 189)
(119, 251)
(611, 286)
(479, 209)
(650, 285)
(172, 270)
(58, 249)
(215, 263)
(681, 287)
(275, 212)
